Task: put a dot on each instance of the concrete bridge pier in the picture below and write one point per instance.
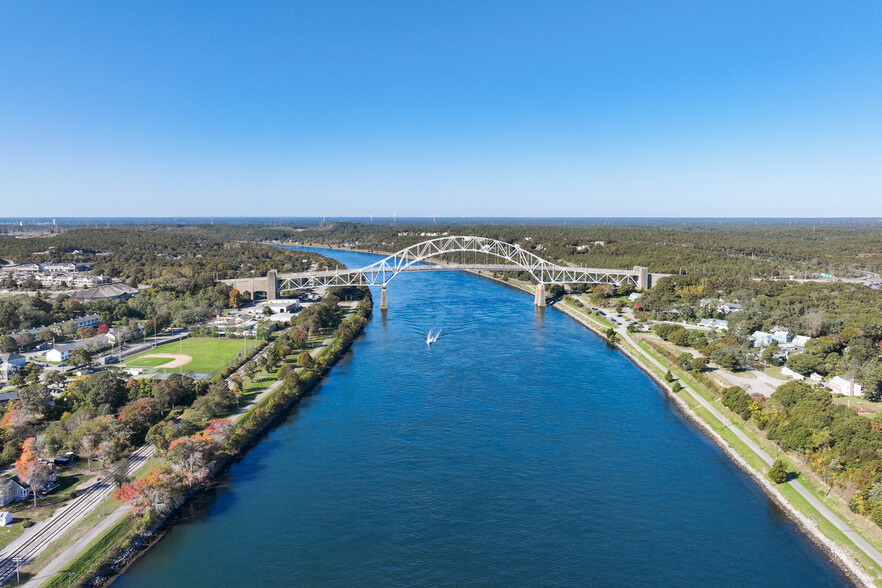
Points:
(540, 295)
(384, 305)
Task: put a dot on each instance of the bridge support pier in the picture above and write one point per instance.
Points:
(540, 295)
(384, 305)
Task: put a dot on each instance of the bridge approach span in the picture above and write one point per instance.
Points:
(424, 256)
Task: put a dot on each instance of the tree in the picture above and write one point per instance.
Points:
(778, 473)
(235, 298)
(25, 340)
(53, 377)
(36, 397)
(138, 416)
(190, 456)
(27, 459)
(38, 476)
(669, 377)
(219, 432)
(305, 360)
(8, 344)
(46, 336)
(154, 494)
(80, 357)
(805, 364)
(161, 434)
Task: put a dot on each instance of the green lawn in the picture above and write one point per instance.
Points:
(209, 354)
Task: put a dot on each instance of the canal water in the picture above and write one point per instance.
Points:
(518, 449)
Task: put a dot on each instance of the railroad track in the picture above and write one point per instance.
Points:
(25, 549)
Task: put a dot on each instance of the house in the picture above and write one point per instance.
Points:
(717, 324)
(840, 385)
(816, 377)
(10, 364)
(634, 296)
(801, 340)
(786, 371)
(5, 518)
(760, 339)
(781, 335)
(117, 291)
(11, 490)
(13, 358)
(60, 353)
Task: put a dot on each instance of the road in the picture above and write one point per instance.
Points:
(37, 538)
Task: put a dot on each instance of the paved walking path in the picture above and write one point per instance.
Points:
(813, 500)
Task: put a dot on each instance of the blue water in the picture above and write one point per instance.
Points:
(517, 450)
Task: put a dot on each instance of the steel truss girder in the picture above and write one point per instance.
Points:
(408, 259)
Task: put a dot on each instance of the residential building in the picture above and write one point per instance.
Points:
(718, 324)
(801, 340)
(60, 352)
(761, 338)
(786, 371)
(12, 491)
(90, 320)
(846, 387)
(781, 335)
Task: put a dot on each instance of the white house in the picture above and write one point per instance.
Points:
(60, 353)
(781, 335)
(718, 324)
(729, 307)
(5, 518)
(786, 371)
(816, 377)
(840, 385)
(801, 340)
(12, 491)
(634, 296)
(761, 338)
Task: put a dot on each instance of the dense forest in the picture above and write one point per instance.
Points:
(716, 249)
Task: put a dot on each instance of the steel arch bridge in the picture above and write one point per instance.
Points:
(418, 257)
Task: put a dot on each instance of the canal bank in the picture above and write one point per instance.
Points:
(518, 448)
(711, 425)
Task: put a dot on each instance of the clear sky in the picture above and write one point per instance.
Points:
(474, 108)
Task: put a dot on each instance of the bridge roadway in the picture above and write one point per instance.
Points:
(430, 256)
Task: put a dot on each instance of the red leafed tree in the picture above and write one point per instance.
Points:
(154, 494)
(102, 328)
(219, 431)
(27, 460)
(191, 455)
(137, 416)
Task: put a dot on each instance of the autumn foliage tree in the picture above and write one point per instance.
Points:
(235, 298)
(28, 458)
(153, 495)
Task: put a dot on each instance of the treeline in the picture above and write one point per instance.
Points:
(843, 447)
(186, 256)
(727, 249)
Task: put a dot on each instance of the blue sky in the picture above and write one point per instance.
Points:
(453, 108)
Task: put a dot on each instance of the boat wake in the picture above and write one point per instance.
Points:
(432, 336)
